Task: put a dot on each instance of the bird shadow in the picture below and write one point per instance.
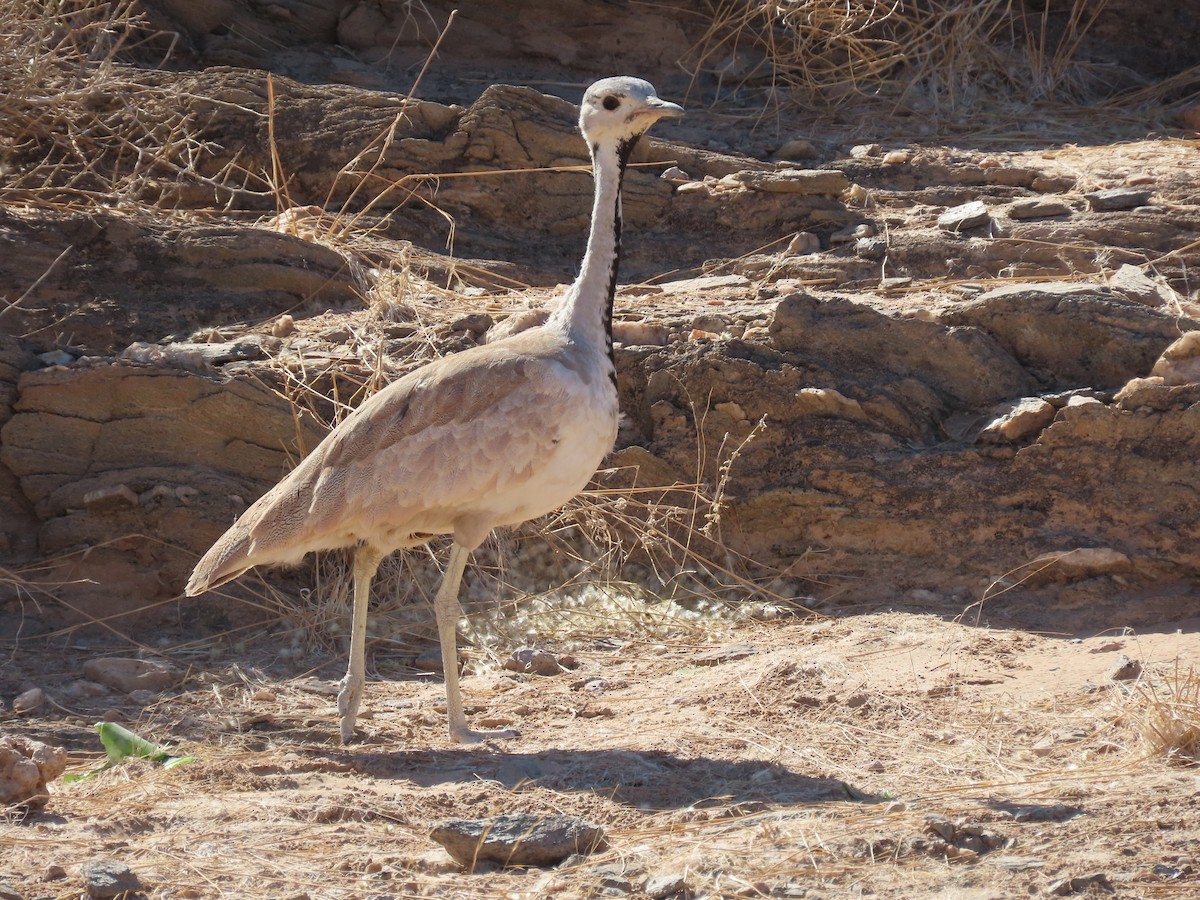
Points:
(635, 778)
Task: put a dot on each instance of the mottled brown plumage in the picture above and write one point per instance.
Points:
(488, 437)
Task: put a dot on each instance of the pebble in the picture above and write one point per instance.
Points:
(870, 248)
(8, 892)
(1081, 884)
(1180, 362)
(29, 700)
(724, 653)
(823, 182)
(54, 873)
(84, 689)
(109, 878)
(1133, 284)
(518, 839)
(666, 884)
(1017, 421)
(128, 674)
(1124, 669)
(896, 157)
(674, 173)
(283, 326)
(1116, 199)
(537, 662)
(1038, 208)
(967, 215)
(56, 357)
(863, 151)
(797, 149)
(803, 243)
(1188, 117)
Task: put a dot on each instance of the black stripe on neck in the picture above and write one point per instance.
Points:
(624, 151)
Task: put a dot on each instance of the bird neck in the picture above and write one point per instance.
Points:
(586, 311)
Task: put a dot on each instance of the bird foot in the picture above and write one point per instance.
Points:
(465, 735)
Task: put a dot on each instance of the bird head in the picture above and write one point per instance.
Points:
(621, 109)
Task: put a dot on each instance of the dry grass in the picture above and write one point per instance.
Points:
(945, 61)
(1166, 712)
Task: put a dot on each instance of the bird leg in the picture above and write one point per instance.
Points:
(448, 610)
(366, 561)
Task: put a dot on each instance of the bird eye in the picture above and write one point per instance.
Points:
(611, 102)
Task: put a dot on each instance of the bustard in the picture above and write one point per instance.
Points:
(491, 436)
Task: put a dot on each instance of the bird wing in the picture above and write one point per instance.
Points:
(417, 454)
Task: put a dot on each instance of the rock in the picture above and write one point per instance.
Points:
(896, 157)
(723, 654)
(1074, 565)
(110, 497)
(1124, 669)
(796, 149)
(1090, 884)
(828, 402)
(128, 674)
(803, 243)
(530, 660)
(26, 767)
(821, 182)
(1070, 334)
(1132, 283)
(704, 283)
(8, 892)
(1116, 199)
(1038, 208)
(640, 334)
(666, 885)
(56, 357)
(29, 700)
(105, 878)
(1017, 421)
(1180, 362)
(518, 839)
(967, 215)
(675, 174)
(871, 248)
(865, 151)
(1188, 117)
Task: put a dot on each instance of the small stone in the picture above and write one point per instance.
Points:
(1038, 208)
(1079, 884)
(870, 248)
(1180, 362)
(520, 839)
(967, 215)
(54, 873)
(820, 182)
(29, 700)
(106, 499)
(797, 149)
(1188, 117)
(1133, 284)
(864, 151)
(26, 767)
(1078, 564)
(640, 334)
(723, 654)
(1053, 184)
(128, 674)
(476, 324)
(1116, 199)
(8, 892)
(109, 878)
(895, 282)
(667, 885)
(283, 326)
(675, 174)
(538, 662)
(896, 157)
(1124, 669)
(1016, 421)
(803, 244)
(56, 357)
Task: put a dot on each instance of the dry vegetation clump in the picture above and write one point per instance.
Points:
(75, 126)
(938, 58)
(1166, 713)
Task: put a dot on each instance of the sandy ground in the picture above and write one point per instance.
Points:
(892, 754)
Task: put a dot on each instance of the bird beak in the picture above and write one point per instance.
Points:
(660, 109)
